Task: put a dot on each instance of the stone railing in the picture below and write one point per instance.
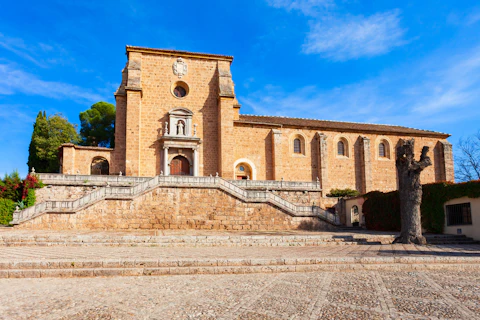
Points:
(77, 179)
(277, 185)
(173, 181)
(66, 179)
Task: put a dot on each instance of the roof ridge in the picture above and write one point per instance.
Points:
(339, 121)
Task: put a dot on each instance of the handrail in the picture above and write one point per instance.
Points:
(158, 181)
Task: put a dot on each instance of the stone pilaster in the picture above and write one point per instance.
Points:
(133, 115)
(226, 104)
(448, 173)
(323, 162)
(68, 159)
(277, 154)
(366, 165)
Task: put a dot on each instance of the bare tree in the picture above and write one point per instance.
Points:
(468, 159)
(410, 190)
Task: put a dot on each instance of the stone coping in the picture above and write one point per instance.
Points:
(98, 180)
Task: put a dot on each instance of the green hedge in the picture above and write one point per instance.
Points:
(7, 207)
(343, 193)
(382, 210)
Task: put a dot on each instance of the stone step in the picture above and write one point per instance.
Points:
(114, 268)
(194, 241)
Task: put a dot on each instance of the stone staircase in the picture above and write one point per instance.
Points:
(107, 239)
(435, 239)
(108, 192)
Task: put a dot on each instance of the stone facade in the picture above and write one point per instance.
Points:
(175, 105)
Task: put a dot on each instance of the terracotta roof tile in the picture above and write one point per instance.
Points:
(337, 125)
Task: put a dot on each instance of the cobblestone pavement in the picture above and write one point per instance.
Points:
(320, 295)
(104, 253)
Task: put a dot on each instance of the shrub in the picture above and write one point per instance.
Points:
(343, 193)
(7, 207)
(11, 187)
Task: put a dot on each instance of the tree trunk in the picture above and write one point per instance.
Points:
(410, 191)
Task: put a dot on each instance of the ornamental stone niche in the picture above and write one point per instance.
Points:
(180, 144)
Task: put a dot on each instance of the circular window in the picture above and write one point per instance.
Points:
(242, 168)
(180, 89)
(179, 92)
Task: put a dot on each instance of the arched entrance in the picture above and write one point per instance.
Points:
(243, 171)
(179, 166)
(99, 166)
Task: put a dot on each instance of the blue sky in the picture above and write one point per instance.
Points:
(411, 63)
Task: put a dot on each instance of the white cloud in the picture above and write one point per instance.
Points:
(435, 92)
(41, 54)
(473, 17)
(307, 7)
(353, 37)
(14, 81)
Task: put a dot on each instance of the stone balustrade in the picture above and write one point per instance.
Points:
(64, 179)
(116, 192)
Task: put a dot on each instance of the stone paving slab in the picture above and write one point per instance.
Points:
(315, 295)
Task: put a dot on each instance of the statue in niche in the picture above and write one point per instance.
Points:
(180, 128)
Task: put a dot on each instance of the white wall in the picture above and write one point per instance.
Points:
(471, 230)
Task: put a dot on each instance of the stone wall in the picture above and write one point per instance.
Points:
(60, 193)
(302, 198)
(360, 169)
(176, 208)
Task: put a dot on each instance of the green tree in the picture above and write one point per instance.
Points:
(48, 134)
(97, 125)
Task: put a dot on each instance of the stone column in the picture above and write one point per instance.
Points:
(195, 162)
(366, 165)
(277, 154)
(165, 161)
(322, 164)
(448, 173)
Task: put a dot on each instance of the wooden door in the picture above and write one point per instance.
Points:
(180, 166)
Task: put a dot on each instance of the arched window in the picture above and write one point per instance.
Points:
(381, 150)
(297, 146)
(341, 148)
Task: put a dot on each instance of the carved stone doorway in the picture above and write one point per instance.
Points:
(179, 166)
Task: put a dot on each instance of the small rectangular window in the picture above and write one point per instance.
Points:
(459, 214)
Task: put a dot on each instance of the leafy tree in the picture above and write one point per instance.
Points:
(97, 125)
(48, 134)
(468, 160)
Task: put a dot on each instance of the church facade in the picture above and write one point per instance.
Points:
(177, 114)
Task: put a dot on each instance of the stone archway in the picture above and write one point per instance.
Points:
(244, 169)
(179, 166)
(100, 166)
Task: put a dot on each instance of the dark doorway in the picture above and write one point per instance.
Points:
(99, 166)
(179, 166)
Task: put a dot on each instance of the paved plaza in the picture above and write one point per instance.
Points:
(311, 295)
(288, 275)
